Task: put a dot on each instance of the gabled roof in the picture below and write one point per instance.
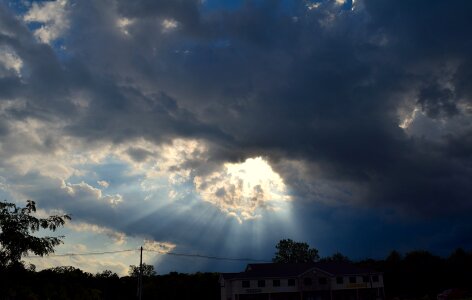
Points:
(280, 270)
(270, 270)
(342, 268)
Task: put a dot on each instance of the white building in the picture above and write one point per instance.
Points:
(310, 281)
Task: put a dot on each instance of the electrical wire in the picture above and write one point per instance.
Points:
(81, 254)
(155, 251)
(207, 256)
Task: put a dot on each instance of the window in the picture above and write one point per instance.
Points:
(261, 283)
(352, 279)
(322, 280)
(365, 278)
(276, 282)
(291, 282)
(375, 278)
(246, 284)
(307, 281)
(339, 280)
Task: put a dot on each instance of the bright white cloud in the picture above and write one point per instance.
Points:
(119, 238)
(83, 190)
(169, 24)
(160, 247)
(242, 189)
(10, 60)
(54, 18)
(312, 6)
(123, 24)
(408, 119)
(103, 183)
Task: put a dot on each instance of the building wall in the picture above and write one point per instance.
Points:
(358, 284)
(317, 291)
(226, 290)
(315, 284)
(237, 288)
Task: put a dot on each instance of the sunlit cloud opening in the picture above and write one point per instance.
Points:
(244, 190)
(53, 16)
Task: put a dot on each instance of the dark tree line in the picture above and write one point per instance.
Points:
(416, 275)
(421, 273)
(64, 283)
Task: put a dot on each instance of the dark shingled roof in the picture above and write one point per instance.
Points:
(342, 268)
(277, 269)
(293, 270)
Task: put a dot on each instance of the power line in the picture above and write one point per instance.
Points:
(207, 256)
(81, 254)
(155, 251)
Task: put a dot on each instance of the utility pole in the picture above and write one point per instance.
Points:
(140, 278)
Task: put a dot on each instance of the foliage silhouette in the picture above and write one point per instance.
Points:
(338, 256)
(148, 270)
(17, 225)
(289, 251)
(408, 276)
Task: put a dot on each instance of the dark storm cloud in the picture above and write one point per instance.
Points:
(436, 101)
(323, 87)
(44, 84)
(186, 12)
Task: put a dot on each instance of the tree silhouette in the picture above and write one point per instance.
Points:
(338, 256)
(17, 225)
(289, 251)
(148, 270)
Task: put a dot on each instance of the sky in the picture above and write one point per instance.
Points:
(218, 128)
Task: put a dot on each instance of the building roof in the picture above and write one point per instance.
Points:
(342, 268)
(275, 270)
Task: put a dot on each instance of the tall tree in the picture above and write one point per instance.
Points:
(289, 251)
(17, 226)
(148, 270)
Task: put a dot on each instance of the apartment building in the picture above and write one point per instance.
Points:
(306, 281)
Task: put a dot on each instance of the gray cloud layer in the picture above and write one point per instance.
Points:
(324, 88)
